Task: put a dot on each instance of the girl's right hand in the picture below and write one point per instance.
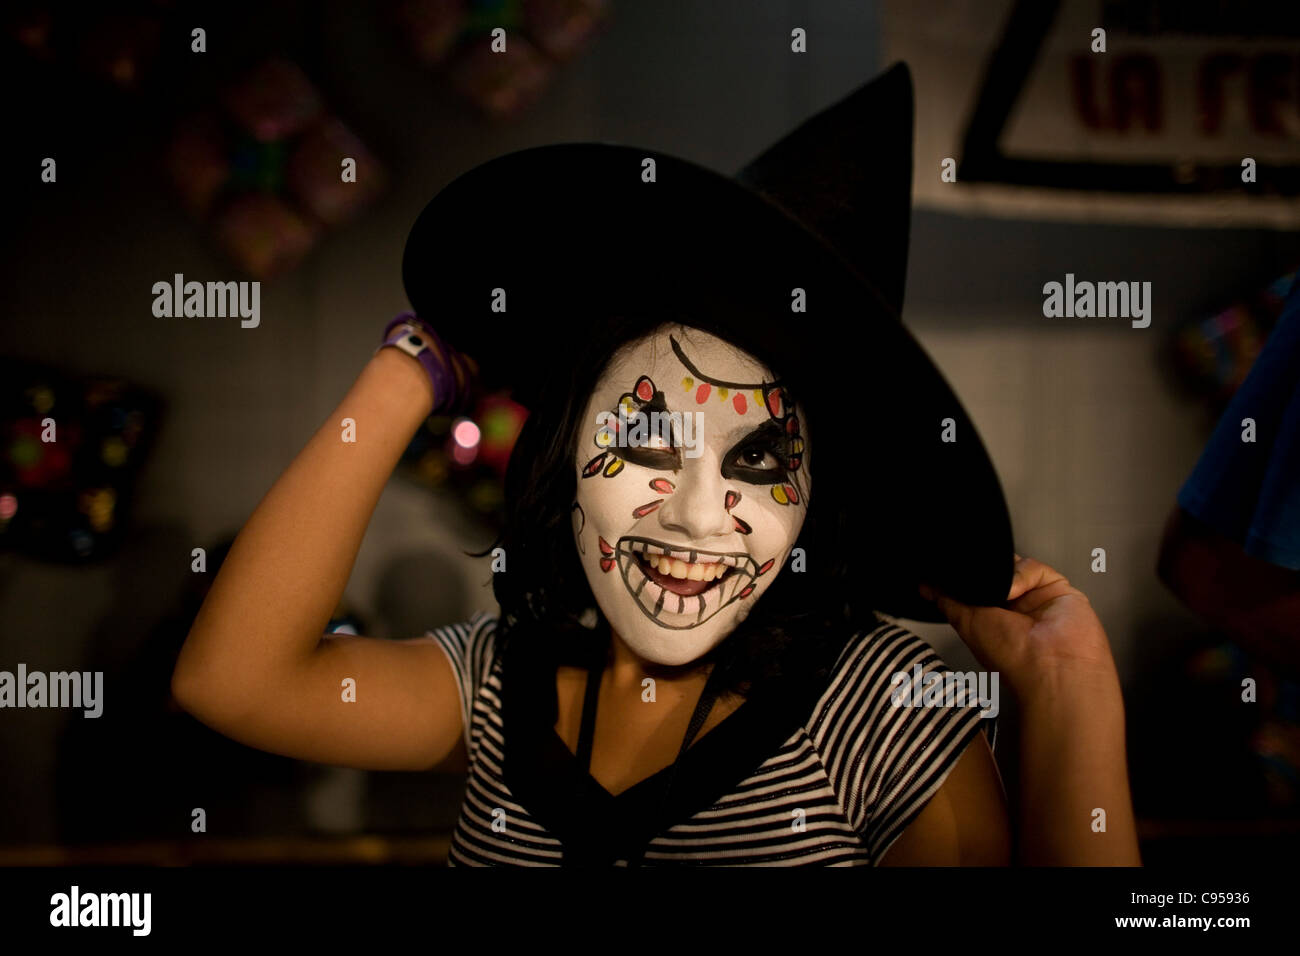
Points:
(1046, 640)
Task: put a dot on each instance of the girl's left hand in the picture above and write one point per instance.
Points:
(1046, 640)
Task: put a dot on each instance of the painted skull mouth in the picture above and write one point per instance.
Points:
(679, 601)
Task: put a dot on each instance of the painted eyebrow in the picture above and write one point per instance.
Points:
(690, 367)
(769, 429)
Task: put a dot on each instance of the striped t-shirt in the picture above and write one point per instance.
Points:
(825, 774)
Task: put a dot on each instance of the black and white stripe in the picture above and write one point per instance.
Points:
(859, 770)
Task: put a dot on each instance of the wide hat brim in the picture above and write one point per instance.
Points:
(573, 233)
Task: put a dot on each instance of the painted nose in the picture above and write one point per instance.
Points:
(697, 508)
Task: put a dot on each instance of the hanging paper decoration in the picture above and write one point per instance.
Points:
(501, 73)
(270, 170)
(1213, 355)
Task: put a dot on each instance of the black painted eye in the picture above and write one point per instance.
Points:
(759, 457)
(755, 462)
(661, 459)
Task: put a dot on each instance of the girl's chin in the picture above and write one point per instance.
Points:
(674, 650)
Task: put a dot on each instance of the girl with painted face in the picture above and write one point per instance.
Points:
(738, 471)
(715, 486)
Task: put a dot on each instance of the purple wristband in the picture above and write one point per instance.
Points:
(443, 379)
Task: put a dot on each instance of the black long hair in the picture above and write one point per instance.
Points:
(797, 623)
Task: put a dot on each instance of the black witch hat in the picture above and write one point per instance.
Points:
(570, 231)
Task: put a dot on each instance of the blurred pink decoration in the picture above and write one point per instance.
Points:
(456, 35)
(500, 84)
(264, 170)
(198, 160)
(562, 28)
(431, 27)
(263, 234)
(314, 173)
(274, 101)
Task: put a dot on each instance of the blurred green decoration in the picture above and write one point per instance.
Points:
(263, 169)
(481, 16)
(259, 166)
(455, 36)
(70, 454)
(466, 456)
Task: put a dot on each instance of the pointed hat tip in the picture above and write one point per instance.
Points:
(845, 173)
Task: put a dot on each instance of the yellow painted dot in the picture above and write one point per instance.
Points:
(688, 383)
(722, 394)
(614, 467)
(603, 438)
(796, 446)
(779, 494)
(758, 396)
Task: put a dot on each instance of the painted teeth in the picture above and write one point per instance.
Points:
(679, 569)
(654, 554)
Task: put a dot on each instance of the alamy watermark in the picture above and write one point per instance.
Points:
(209, 300)
(76, 689)
(75, 908)
(637, 429)
(941, 688)
(1085, 300)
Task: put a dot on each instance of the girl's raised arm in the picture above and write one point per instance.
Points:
(257, 666)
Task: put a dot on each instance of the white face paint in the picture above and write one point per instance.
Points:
(714, 498)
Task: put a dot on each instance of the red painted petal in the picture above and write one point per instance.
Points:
(766, 566)
(605, 547)
(646, 509)
(739, 402)
(746, 592)
(732, 499)
(593, 466)
(775, 403)
(645, 389)
(741, 526)
(792, 494)
(606, 563)
(792, 425)
(702, 394)
(662, 485)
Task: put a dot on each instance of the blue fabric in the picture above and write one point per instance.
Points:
(1250, 492)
